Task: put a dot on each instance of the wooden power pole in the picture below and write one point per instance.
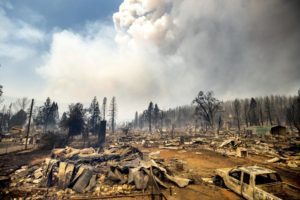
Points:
(28, 127)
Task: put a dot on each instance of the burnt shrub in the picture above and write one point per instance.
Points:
(52, 140)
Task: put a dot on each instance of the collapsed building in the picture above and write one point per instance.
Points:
(114, 171)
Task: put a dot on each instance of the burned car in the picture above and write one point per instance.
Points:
(256, 183)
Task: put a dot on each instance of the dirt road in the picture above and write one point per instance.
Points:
(202, 163)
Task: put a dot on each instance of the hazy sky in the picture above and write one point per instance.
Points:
(148, 50)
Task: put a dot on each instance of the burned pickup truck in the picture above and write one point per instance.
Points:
(256, 183)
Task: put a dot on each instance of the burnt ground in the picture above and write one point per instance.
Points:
(12, 161)
(202, 163)
(197, 163)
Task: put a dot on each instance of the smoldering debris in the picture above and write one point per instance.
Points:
(113, 171)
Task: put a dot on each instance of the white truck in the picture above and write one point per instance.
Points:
(256, 183)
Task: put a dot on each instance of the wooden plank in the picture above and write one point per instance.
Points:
(61, 174)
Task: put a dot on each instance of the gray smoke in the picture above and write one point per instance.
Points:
(236, 48)
(167, 50)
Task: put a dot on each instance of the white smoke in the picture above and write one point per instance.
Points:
(144, 21)
(168, 50)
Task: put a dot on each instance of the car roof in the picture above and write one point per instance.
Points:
(256, 170)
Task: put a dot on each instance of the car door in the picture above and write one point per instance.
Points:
(246, 188)
(234, 180)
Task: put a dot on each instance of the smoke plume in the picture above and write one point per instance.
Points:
(168, 50)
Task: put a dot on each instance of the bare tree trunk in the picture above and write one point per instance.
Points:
(212, 122)
(113, 114)
(162, 120)
(172, 131)
(261, 116)
(270, 117)
(219, 124)
(196, 124)
(239, 126)
(29, 120)
(101, 133)
(246, 118)
(113, 124)
(150, 125)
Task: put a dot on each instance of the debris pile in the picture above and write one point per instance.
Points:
(285, 153)
(113, 171)
(290, 161)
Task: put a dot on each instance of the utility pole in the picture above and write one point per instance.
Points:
(28, 128)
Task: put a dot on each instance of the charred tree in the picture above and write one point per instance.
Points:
(156, 115)
(207, 106)
(29, 122)
(260, 111)
(246, 112)
(253, 113)
(48, 115)
(101, 133)
(220, 123)
(21, 103)
(113, 113)
(237, 112)
(136, 120)
(150, 116)
(268, 109)
(162, 116)
(104, 107)
(76, 123)
(94, 119)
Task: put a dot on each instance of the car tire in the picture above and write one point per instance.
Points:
(218, 181)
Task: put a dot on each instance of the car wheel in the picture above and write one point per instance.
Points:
(217, 180)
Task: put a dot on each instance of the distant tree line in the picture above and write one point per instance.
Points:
(207, 112)
(268, 110)
(154, 117)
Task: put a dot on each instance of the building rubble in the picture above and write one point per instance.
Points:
(112, 171)
(285, 152)
(135, 167)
